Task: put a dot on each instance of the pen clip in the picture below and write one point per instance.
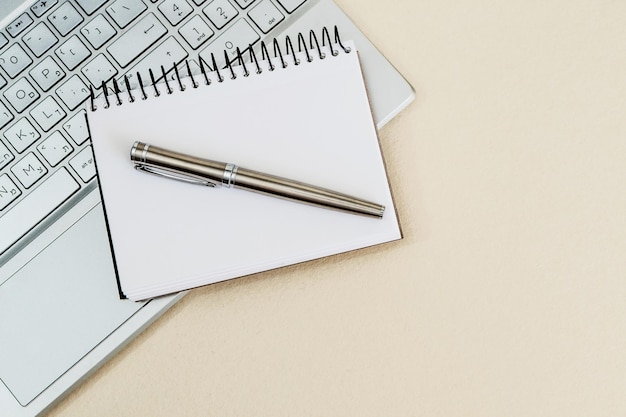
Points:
(174, 175)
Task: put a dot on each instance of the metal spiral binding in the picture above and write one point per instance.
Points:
(313, 44)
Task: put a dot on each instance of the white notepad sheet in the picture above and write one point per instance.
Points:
(309, 122)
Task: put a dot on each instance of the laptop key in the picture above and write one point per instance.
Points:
(84, 164)
(73, 92)
(220, 12)
(14, 60)
(5, 115)
(166, 54)
(21, 135)
(55, 148)
(65, 18)
(29, 170)
(19, 25)
(125, 11)
(40, 39)
(8, 191)
(175, 10)
(47, 73)
(47, 113)
(73, 52)
(99, 70)
(90, 6)
(5, 155)
(137, 39)
(98, 31)
(35, 207)
(240, 34)
(42, 6)
(196, 32)
(76, 127)
(266, 15)
(21, 94)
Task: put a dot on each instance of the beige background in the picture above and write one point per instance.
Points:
(507, 295)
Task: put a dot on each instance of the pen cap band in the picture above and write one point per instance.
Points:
(138, 152)
(230, 171)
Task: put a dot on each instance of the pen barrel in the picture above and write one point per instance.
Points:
(304, 193)
(188, 168)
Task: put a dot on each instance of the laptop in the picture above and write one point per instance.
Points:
(61, 313)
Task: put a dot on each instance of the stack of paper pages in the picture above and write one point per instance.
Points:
(310, 122)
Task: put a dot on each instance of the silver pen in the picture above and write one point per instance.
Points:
(174, 165)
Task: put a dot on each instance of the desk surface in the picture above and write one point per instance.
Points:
(506, 296)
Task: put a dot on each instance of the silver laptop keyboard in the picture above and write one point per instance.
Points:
(55, 51)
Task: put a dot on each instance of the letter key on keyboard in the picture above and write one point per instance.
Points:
(21, 135)
(8, 191)
(29, 170)
(47, 73)
(14, 60)
(47, 113)
(21, 94)
(5, 155)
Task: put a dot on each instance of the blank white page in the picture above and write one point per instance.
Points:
(309, 122)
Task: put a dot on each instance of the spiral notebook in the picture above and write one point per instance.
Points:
(300, 115)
